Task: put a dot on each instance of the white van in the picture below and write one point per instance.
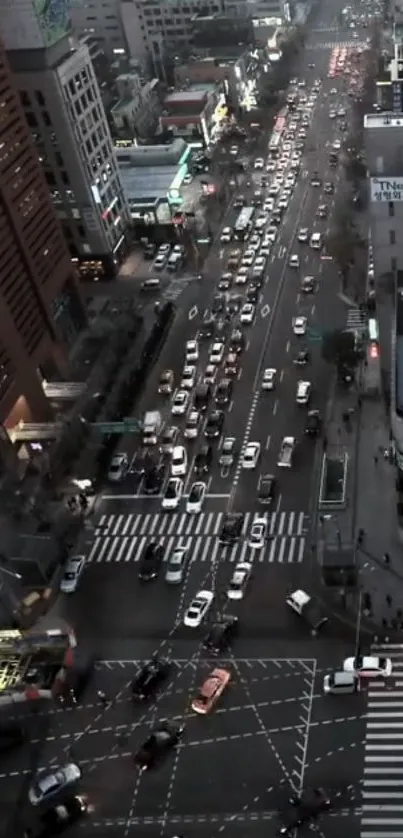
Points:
(175, 262)
(316, 241)
(341, 683)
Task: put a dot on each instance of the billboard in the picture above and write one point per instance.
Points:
(385, 189)
(53, 19)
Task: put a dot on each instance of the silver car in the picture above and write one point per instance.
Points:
(49, 783)
(176, 567)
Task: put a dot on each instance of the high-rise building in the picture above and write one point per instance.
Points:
(389, 85)
(102, 22)
(64, 109)
(40, 305)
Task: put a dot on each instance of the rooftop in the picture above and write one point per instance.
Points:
(194, 94)
(147, 185)
(383, 120)
(145, 156)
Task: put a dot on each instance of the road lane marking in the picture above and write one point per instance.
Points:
(193, 313)
(287, 347)
(267, 446)
(265, 310)
(275, 407)
(281, 375)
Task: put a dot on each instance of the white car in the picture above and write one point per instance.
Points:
(332, 114)
(303, 235)
(72, 573)
(294, 261)
(242, 276)
(268, 205)
(251, 455)
(261, 221)
(271, 166)
(188, 378)
(234, 150)
(271, 234)
(303, 392)
(259, 163)
(299, 325)
(239, 581)
(196, 497)
(210, 375)
(264, 252)
(247, 258)
(248, 312)
(198, 609)
(50, 782)
(173, 493)
(192, 351)
(336, 145)
(192, 425)
(179, 462)
(274, 190)
(283, 202)
(258, 534)
(180, 403)
(368, 667)
(260, 263)
(269, 379)
(118, 467)
(217, 353)
(226, 235)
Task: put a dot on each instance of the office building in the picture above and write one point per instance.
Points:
(384, 152)
(41, 310)
(389, 85)
(135, 114)
(102, 22)
(63, 106)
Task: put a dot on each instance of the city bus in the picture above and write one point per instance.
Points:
(277, 134)
(274, 145)
(243, 224)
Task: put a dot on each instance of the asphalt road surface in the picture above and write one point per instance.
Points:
(273, 731)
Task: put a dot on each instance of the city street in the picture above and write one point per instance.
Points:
(273, 731)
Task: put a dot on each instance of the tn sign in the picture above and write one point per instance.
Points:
(383, 189)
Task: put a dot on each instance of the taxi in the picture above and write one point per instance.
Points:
(210, 691)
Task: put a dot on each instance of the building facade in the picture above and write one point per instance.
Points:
(389, 87)
(103, 22)
(40, 304)
(193, 114)
(135, 115)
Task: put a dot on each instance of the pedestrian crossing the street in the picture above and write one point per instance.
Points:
(383, 761)
(122, 538)
(356, 320)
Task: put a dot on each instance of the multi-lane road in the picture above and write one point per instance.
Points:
(274, 731)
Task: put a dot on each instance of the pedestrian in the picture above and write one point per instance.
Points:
(361, 535)
(102, 697)
(388, 600)
(386, 558)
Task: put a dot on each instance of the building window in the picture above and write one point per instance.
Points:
(392, 237)
(393, 263)
(25, 100)
(40, 98)
(31, 119)
(46, 118)
(391, 208)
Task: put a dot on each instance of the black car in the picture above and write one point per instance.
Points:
(308, 284)
(161, 741)
(221, 635)
(225, 282)
(234, 304)
(153, 480)
(143, 461)
(240, 201)
(276, 217)
(316, 180)
(257, 199)
(237, 342)
(202, 397)
(223, 392)
(151, 561)
(305, 808)
(218, 304)
(214, 424)
(208, 328)
(313, 423)
(302, 358)
(151, 676)
(328, 188)
(266, 489)
(231, 529)
(252, 293)
(78, 676)
(58, 818)
(203, 459)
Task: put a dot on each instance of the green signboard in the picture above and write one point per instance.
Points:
(127, 426)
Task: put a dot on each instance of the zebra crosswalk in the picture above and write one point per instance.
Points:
(382, 790)
(338, 45)
(122, 538)
(356, 320)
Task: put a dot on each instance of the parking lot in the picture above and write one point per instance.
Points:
(272, 728)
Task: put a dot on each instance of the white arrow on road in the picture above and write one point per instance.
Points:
(193, 313)
(265, 311)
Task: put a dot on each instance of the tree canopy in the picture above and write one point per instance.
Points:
(339, 348)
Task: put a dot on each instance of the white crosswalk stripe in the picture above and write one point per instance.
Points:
(338, 45)
(383, 761)
(122, 538)
(356, 319)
